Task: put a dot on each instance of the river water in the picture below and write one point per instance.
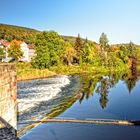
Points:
(108, 96)
(37, 97)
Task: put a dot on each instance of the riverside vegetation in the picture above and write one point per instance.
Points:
(100, 66)
(56, 54)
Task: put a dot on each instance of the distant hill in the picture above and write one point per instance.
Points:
(72, 39)
(10, 32)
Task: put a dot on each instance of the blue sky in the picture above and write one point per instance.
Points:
(119, 19)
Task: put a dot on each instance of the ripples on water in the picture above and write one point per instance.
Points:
(114, 96)
(37, 97)
(31, 93)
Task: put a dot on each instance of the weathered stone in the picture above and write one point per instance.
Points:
(8, 108)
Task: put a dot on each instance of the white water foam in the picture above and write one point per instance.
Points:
(32, 93)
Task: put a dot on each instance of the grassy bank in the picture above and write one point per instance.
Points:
(26, 72)
(85, 69)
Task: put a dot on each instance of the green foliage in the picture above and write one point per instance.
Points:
(2, 53)
(103, 40)
(53, 49)
(78, 45)
(42, 59)
(69, 54)
(138, 56)
(10, 32)
(131, 48)
(123, 54)
(49, 49)
(15, 51)
(87, 53)
(113, 60)
(104, 49)
(127, 51)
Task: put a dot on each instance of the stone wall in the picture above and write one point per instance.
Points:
(8, 104)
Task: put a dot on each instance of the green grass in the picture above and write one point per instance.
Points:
(25, 71)
(64, 69)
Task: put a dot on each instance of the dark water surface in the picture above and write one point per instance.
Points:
(59, 131)
(112, 96)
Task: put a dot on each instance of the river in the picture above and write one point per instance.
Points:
(106, 96)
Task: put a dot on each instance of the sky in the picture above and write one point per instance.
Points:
(119, 19)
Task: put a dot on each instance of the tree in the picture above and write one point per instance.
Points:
(123, 53)
(15, 51)
(78, 45)
(87, 52)
(42, 59)
(103, 90)
(131, 47)
(103, 40)
(2, 53)
(69, 53)
(113, 60)
(49, 49)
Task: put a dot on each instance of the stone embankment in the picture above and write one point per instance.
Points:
(8, 104)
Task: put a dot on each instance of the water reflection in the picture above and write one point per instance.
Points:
(102, 84)
(103, 96)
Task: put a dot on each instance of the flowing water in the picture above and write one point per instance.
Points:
(108, 96)
(38, 97)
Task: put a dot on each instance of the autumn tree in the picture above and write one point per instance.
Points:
(78, 46)
(15, 51)
(123, 53)
(69, 54)
(87, 52)
(131, 49)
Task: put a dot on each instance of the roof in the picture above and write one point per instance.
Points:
(4, 43)
(18, 42)
(31, 46)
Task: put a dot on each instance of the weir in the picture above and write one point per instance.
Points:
(89, 121)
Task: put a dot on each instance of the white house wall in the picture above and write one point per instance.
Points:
(25, 50)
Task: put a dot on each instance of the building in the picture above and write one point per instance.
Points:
(31, 51)
(28, 50)
(5, 45)
(25, 50)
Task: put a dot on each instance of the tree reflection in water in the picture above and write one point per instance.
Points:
(101, 84)
(103, 89)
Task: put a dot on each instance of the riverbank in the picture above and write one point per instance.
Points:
(26, 72)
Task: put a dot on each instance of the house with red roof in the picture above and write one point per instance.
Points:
(5, 45)
(28, 50)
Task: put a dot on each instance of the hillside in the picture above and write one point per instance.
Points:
(72, 39)
(10, 32)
